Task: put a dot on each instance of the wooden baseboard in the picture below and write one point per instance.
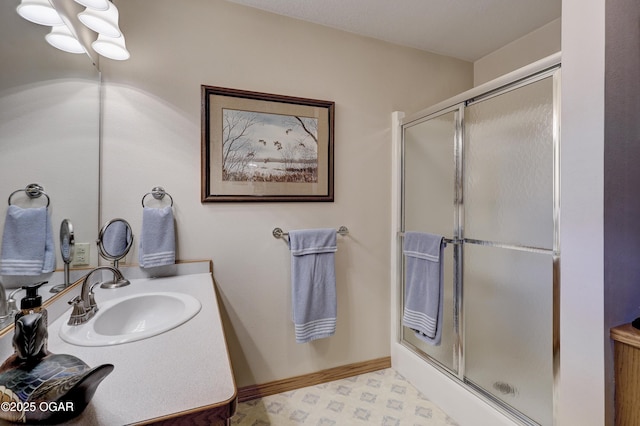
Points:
(248, 393)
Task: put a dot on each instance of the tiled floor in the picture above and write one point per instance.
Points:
(379, 398)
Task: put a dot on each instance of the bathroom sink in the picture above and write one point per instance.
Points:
(132, 318)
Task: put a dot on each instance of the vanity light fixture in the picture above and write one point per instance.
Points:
(99, 16)
(61, 37)
(39, 12)
(111, 47)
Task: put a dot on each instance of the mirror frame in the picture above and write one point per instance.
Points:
(100, 242)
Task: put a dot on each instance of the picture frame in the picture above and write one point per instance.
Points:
(265, 147)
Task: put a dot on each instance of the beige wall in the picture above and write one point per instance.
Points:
(151, 136)
(536, 45)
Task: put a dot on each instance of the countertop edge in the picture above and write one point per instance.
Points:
(627, 334)
(227, 408)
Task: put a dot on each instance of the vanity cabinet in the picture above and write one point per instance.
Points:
(182, 376)
(216, 416)
(627, 374)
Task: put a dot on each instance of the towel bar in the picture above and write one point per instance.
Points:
(446, 240)
(279, 233)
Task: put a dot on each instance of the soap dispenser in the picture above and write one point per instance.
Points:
(32, 302)
(38, 386)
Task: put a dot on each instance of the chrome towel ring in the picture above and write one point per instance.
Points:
(33, 190)
(158, 193)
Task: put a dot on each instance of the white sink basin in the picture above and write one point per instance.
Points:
(132, 318)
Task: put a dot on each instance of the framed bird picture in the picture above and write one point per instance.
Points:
(265, 147)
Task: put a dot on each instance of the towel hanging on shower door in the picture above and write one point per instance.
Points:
(423, 303)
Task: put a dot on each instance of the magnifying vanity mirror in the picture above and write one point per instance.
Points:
(67, 246)
(114, 242)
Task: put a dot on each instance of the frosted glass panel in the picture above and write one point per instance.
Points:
(509, 167)
(508, 319)
(429, 176)
(429, 183)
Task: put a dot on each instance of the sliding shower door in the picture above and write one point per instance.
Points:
(509, 247)
(429, 193)
(486, 173)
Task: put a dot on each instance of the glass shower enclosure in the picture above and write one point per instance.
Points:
(484, 173)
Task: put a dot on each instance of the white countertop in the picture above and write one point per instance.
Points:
(182, 369)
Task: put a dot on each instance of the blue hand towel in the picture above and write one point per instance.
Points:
(313, 283)
(157, 240)
(423, 302)
(27, 242)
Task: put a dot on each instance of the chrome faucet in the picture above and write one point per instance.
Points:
(8, 307)
(84, 305)
(12, 307)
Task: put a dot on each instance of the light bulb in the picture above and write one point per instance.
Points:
(102, 21)
(111, 47)
(61, 38)
(39, 12)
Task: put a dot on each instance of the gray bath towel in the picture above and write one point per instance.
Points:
(424, 285)
(27, 242)
(313, 283)
(157, 239)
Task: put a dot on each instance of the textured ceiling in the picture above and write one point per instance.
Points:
(464, 29)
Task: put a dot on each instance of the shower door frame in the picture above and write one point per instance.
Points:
(458, 105)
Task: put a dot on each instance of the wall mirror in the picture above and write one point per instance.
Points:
(49, 127)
